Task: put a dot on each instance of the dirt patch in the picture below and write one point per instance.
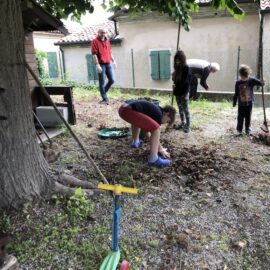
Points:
(209, 210)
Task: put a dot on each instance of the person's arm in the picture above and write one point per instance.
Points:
(258, 82)
(94, 47)
(98, 67)
(206, 72)
(113, 61)
(236, 94)
(173, 77)
(95, 59)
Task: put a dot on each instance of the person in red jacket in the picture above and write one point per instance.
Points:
(102, 55)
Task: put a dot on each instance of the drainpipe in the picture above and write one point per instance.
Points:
(238, 62)
(261, 16)
(115, 28)
(63, 62)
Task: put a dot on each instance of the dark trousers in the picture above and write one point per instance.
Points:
(244, 113)
(103, 89)
(182, 102)
(193, 87)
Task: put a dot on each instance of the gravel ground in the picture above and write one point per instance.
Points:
(209, 210)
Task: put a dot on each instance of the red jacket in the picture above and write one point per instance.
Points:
(102, 49)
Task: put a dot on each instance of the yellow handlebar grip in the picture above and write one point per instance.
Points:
(106, 187)
(130, 190)
(118, 189)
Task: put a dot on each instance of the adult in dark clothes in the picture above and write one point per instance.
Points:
(244, 96)
(200, 69)
(142, 114)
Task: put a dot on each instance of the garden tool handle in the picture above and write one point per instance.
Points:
(118, 189)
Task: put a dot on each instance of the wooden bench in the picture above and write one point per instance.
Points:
(65, 91)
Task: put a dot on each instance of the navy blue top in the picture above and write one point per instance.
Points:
(181, 79)
(146, 107)
(244, 93)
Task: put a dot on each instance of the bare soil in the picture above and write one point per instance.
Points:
(208, 210)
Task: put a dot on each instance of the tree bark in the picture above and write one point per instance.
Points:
(24, 173)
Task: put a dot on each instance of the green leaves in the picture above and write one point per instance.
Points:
(79, 207)
(64, 8)
(178, 10)
(231, 6)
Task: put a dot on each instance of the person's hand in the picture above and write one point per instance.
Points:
(98, 68)
(114, 64)
(164, 152)
(263, 82)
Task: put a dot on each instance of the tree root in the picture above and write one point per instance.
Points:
(69, 191)
(75, 182)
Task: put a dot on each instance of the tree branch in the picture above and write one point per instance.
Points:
(75, 182)
(69, 192)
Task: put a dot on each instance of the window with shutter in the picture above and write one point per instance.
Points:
(154, 65)
(52, 64)
(91, 68)
(164, 64)
(160, 65)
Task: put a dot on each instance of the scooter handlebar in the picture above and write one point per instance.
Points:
(118, 189)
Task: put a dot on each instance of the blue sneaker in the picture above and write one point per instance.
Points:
(160, 162)
(136, 144)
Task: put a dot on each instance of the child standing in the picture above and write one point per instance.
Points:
(244, 95)
(181, 78)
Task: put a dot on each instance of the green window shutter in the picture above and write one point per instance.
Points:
(52, 64)
(91, 68)
(165, 65)
(154, 55)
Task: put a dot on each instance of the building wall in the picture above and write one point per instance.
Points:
(212, 39)
(266, 51)
(76, 64)
(44, 41)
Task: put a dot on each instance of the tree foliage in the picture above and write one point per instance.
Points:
(176, 9)
(64, 8)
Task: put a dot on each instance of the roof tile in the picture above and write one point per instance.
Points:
(88, 33)
(265, 4)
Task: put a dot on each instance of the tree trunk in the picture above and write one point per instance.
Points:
(24, 173)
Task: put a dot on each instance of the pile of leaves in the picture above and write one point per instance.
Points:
(262, 137)
(199, 163)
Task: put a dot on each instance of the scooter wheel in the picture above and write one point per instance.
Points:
(124, 265)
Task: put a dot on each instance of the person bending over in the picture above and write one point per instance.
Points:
(142, 114)
(200, 69)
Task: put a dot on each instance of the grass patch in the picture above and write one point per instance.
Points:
(61, 234)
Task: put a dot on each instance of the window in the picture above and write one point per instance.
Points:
(52, 64)
(160, 64)
(91, 68)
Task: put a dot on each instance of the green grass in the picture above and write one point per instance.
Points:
(210, 107)
(61, 236)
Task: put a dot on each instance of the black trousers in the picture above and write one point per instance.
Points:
(193, 87)
(244, 113)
